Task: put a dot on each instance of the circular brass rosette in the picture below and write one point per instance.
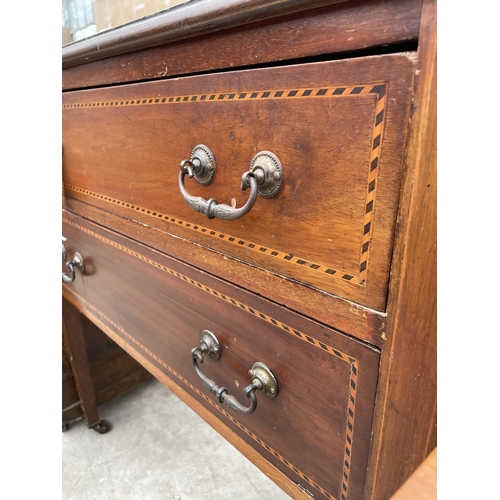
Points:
(269, 173)
(206, 173)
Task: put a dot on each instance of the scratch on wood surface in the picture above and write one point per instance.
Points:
(127, 117)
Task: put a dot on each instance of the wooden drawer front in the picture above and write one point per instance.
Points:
(317, 430)
(338, 129)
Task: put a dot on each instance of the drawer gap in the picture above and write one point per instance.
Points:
(398, 48)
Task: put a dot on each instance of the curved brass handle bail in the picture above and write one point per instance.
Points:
(210, 207)
(262, 377)
(264, 178)
(76, 262)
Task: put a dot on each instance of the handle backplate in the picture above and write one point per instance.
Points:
(269, 382)
(268, 171)
(203, 161)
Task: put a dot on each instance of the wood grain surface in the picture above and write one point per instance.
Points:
(405, 422)
(181, 22)
(344, 27)
(171, 273)
(344, 315)
(337, 127)
(292, 489)
(316, 434)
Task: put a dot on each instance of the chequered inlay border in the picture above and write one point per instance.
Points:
(313, 92)
(379, 90)
(353, 363)
(254, 247)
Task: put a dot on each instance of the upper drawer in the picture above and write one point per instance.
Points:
(338, 129)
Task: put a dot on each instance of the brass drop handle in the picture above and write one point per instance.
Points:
(265, 178)
(263, 379)
(76, 262)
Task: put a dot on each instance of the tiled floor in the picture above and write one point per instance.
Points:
(158, 449)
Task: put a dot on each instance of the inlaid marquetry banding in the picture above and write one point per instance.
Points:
(197, 391)
(353, 363)
(251, 246)
(379, 90)
(313, 92)
(378, 129)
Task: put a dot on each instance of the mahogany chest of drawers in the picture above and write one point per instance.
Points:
(251, 188)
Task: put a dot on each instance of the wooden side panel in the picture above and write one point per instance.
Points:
(317, 434)
(406, 402)
(337, 127)
(347, 26)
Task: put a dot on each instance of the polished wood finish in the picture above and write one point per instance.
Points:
(406, 404)
(161, 307)
(293, 490)
(346, 316)
(422, 484)
(331, 225)
(182, 21)
(160, 281)
(344, 27)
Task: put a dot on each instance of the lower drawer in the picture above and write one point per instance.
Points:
(316, 430)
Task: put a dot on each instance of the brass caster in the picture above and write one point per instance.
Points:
(102, 427)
